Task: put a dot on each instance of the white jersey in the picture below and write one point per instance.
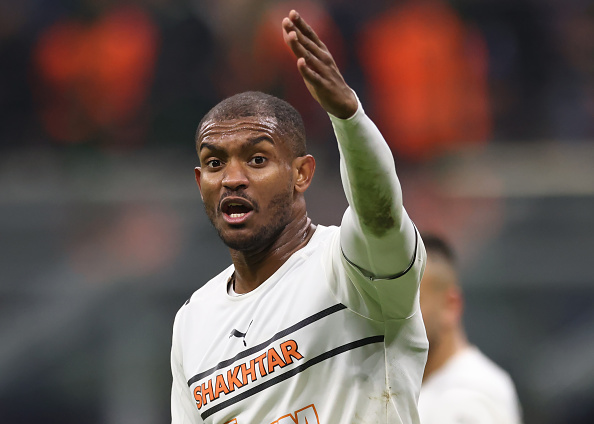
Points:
(469, 388)
(316, 343)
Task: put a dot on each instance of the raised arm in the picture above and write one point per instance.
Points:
(376, 234)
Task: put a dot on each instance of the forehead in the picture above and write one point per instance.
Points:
(217, 131)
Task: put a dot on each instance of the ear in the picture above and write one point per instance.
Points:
(454, 305)
(198, 171)
(303, 169)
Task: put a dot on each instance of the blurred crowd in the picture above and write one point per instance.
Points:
(434, 74)
(102, 236)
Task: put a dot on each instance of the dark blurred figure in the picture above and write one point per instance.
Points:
(570, 95)
(186, 72)
(460, 384)
(519, 38)
(18, 28)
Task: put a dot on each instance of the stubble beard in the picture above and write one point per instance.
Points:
(280, 216)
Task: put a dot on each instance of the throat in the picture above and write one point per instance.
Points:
(253, 268)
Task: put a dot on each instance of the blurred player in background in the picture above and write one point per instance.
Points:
(460, 385)
(310, 324)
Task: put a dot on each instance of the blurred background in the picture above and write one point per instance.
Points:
(488, 106)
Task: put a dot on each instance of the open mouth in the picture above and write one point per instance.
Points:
(236, 211)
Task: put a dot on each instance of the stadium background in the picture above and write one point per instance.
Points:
(489, 109)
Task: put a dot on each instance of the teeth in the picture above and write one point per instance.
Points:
(236, 215)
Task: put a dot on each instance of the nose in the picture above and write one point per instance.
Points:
(234, 177)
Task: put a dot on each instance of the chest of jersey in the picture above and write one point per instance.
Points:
(288, 349)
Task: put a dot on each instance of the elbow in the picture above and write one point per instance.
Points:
(380, 219)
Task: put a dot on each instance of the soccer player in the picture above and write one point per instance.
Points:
(460, 384)
(310, 324)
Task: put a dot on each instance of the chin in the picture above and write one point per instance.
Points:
(234, 239)
(238, 243)
(254, 240)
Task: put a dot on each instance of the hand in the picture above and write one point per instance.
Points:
(318, 69)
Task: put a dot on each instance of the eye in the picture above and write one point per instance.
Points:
(213, 163)
(257, 160)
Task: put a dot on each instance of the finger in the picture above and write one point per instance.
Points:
(292, 40)
(301, 45)
(308, 74)
(319, 50)
(289, 31)
(296, 44)
(304, 54)
(305, 29)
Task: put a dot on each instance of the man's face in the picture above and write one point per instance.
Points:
(437, 289)
(246, 180)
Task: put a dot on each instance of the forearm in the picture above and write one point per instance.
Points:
(376, 234)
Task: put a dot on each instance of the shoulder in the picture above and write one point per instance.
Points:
(324, 234)
(471, 378)
(469, 388)
(212, 291)
(481, 372)
(323, 242)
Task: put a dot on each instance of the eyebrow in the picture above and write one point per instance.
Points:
(252, 141)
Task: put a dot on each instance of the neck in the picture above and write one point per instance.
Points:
(449, 345)
(252, 268)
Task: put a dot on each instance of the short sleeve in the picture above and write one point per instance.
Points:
(381, 299)
(183, 407)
